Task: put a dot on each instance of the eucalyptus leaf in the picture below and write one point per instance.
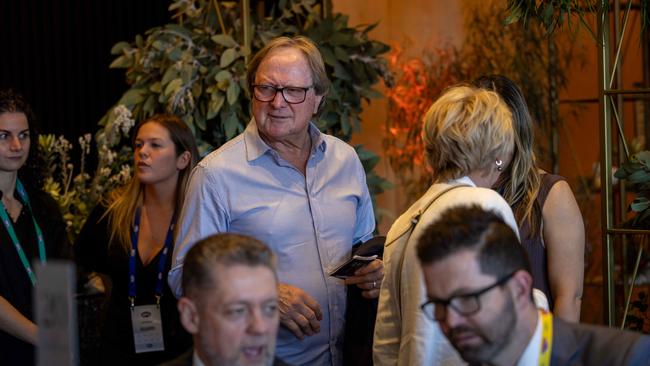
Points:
(122, 62)
(328, 56)
(230, 125)
(149, 106)
(233, 93)
(223, 75)
(170, 74)
(341, 54)
(199, 120)
(158, 45)
(173, 86)
(156, 87)
(133, 97)
(215, 105)
(639, 176)
(224, 40)
(119, 48)
(175, 54)
(227, 57)
(345, 124)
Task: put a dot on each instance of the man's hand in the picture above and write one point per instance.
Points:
(368, 278)
(299, 312)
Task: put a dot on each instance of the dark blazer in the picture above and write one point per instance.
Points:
(186, 360)
(581, 344)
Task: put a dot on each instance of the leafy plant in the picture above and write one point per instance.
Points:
(196, 69)
(73, 188)
(637, 172)
(552, 14)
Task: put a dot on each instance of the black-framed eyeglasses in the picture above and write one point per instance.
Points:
(466, 304)
(291, 94)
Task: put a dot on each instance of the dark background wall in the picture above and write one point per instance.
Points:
(56, 53)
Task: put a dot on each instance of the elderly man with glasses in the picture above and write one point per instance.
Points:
(479, 290)
(302, 192)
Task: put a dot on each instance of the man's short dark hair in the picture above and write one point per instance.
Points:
(499, 252)
(222, 249)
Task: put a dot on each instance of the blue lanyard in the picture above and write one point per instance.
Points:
(161, 262)
(14, 238)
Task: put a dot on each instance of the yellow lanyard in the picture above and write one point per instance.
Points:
(547, 338)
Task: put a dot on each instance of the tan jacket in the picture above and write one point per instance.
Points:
(403, 334)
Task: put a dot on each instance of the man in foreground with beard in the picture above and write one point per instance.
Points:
(479, 289)
(230, 303)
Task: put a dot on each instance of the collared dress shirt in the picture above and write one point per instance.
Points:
(534, 348)
(310, 221)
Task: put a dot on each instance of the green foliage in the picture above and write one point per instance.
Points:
(637, 172)
(553, 14)
(73, 188)
(197, 69)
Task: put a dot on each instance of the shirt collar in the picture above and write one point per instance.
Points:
(534, 348)
(462, 180)
(256, 147)
(196, 360)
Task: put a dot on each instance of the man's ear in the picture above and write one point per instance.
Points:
(320, 101)
(522, 285)
(188, 315)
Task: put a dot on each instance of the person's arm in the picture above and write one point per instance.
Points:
(201, 216)
(564, 237)
(16, 324)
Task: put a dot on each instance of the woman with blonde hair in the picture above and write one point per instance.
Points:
(468, 140)
(550, 223)
(130, 240)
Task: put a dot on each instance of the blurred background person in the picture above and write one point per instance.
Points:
(131, 237)
(230, 302)
(549, 219)
(468, 140)
(32, 228)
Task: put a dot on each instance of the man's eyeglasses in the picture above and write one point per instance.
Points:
(291, 94)
(466, 304)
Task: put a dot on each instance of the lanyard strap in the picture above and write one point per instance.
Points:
(547, 338)
(161, 262)
(14, 238)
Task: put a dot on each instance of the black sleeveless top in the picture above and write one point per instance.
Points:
(534, 245)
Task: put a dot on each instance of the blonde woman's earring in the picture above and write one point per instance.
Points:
(499, 164)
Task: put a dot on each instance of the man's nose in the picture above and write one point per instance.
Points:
(259, 323)
(278, 101)
(451, 317)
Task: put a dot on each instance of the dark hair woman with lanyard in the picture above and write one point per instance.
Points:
(130, 239)
(32, 228)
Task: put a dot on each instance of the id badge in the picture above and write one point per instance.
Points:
(147, 328)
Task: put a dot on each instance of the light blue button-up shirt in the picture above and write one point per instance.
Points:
(310, 221)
